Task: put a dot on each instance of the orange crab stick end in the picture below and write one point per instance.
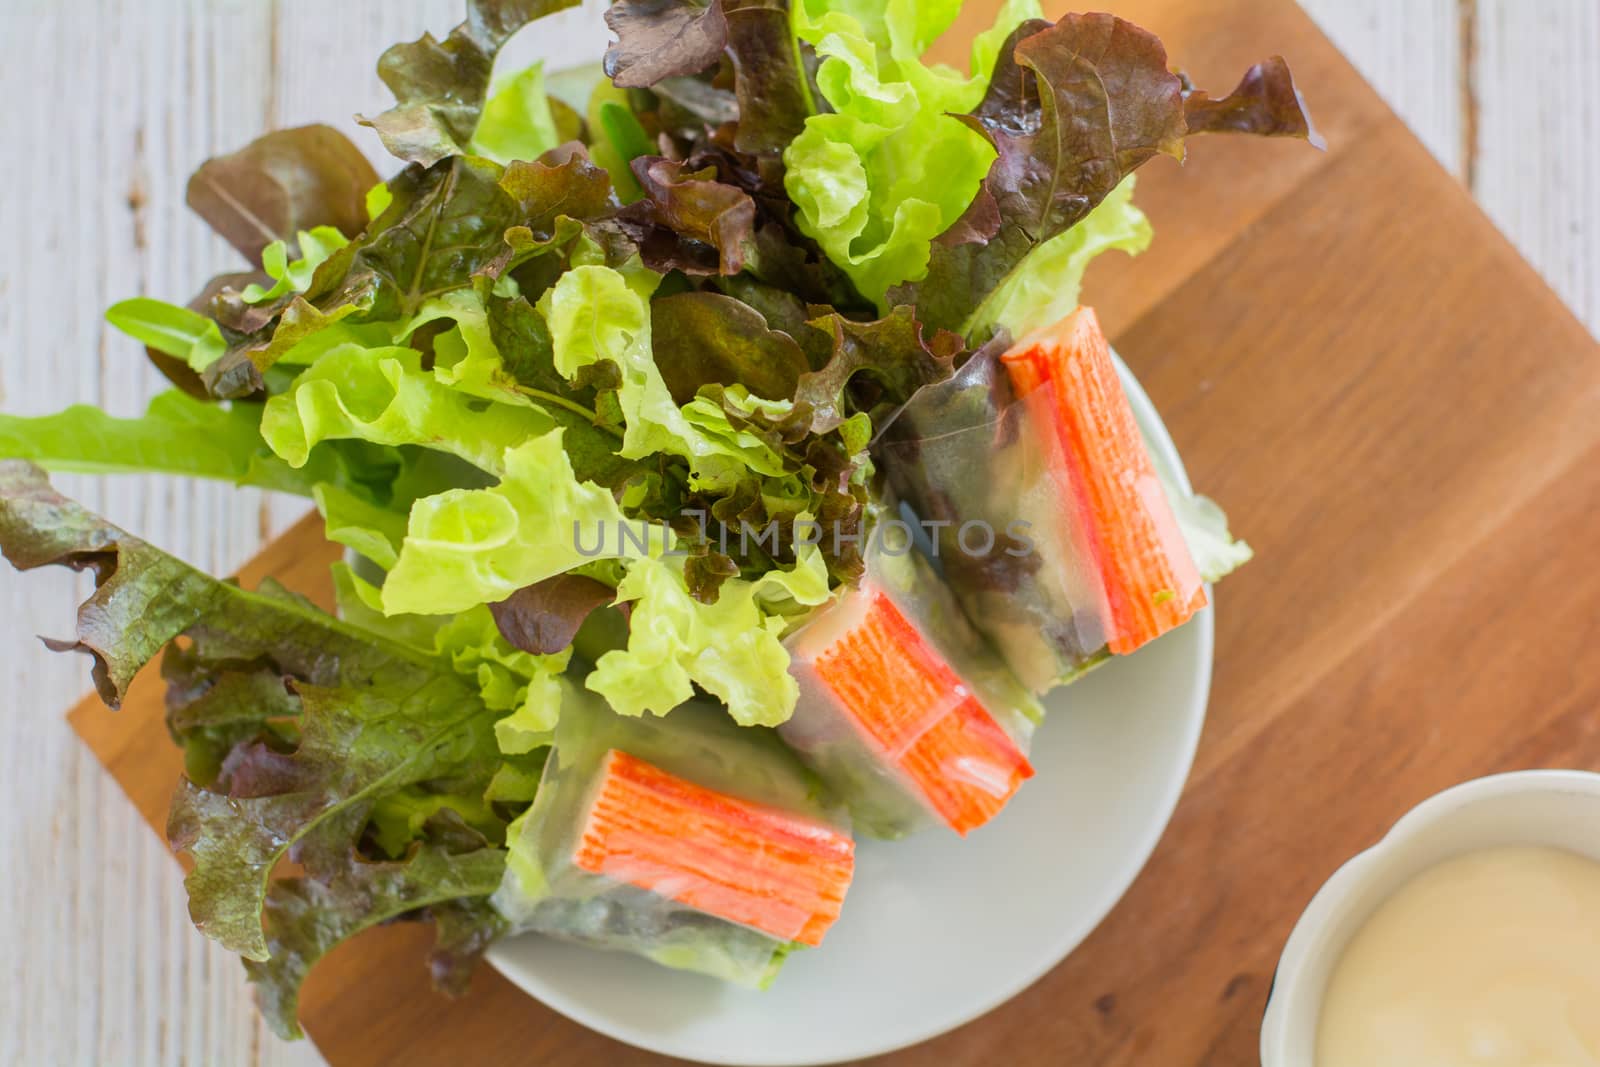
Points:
(1151, 582)
(765, 868)
(915, 711)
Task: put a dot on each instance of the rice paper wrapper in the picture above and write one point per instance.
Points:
(545, 891)
(984, 473)
(870, 772)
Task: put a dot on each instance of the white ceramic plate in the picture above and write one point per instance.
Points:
(938, 930)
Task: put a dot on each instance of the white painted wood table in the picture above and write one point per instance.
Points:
(109, 104)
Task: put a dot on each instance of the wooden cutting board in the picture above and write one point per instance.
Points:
(1401, 419)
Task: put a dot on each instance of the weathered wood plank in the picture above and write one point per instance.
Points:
(1411, 52)
(110, 114)
(1539, 138)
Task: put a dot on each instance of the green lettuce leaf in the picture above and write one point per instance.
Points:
(731, 648)
(177, 345)
(598, 314)
(383, 395)
(359, 602)
(165, 327)
(510, 680)
(728, 417)
(468, 547)
(612, 126)
(440, 86)
(363, 527)
(889, 168)
(183, 436)
(179, 340)
(176, 435)
(1044, 288)
(516, 123)
(294, 275)
(365, 383)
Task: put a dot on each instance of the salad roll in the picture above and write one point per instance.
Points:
(689, 840)
(904, 710)
(1050, 519)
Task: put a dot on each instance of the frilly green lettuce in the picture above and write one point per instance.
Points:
(731, 648)
(465, 356)
(598, 313)
(1044, 289)
(516, 122)
(890, 167)
(525, 688)
(175, 331)
(529, 687)
(294, 275)
(384, 396)
(351, 520)
(466, 547)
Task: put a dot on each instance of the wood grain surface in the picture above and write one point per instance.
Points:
(1393, 408)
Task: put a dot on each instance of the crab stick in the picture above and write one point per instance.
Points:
(772, 870)
(686, 839)
(1150, 579)
(888, 719)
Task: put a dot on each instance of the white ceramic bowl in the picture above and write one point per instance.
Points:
(938, 930)
(1554, 808)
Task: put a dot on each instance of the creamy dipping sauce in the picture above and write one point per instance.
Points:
(1488, 960)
